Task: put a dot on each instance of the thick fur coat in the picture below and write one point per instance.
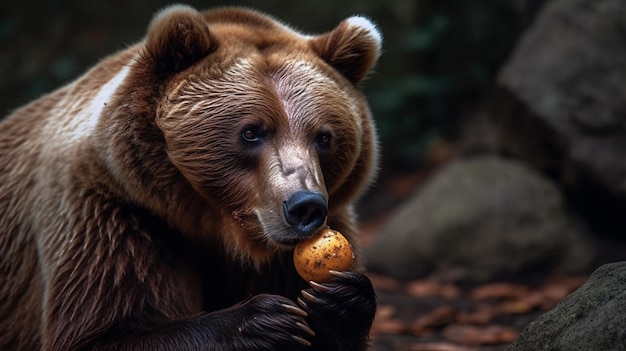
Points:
(154, 203)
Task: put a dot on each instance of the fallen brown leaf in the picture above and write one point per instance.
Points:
(482, 314)
(388, 326)
(385, 311)
(384, 323)
(515, 307)
(572, 282)
(425, 288)
(473, 335)
(381, 282)
(499, 291)
(440, 316)
(439, 347)
(556, 289)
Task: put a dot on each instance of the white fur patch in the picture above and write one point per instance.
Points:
(367, 25)
(104, 96)
(82, 120)
(168, 10)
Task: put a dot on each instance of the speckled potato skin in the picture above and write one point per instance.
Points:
(314, 258)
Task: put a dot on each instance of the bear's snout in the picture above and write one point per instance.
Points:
(305, 211)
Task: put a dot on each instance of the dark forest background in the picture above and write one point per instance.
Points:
(438, 63)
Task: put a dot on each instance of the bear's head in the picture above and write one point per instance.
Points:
(267, 125)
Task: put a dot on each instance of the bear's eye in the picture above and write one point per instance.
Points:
(251, 134)
(323, 141)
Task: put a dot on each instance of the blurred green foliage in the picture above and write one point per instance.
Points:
(451, 53)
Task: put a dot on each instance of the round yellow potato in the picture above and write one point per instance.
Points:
(315, 257)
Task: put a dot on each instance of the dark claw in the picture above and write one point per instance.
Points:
(295, 310)
(343, 275)
(319, 287)
(301, 340)
(310, 297)
(305, 328)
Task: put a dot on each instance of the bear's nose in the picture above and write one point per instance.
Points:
(306, 211)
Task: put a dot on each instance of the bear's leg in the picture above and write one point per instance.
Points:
(262, 323)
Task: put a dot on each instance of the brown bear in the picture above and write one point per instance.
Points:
(155, 202)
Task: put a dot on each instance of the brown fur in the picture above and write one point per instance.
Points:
(141, 220)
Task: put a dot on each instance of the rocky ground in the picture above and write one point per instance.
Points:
(427, 315)
(435, 314)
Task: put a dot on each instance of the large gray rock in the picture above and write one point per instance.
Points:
(569, 70)
(591, 318)
(479, 219)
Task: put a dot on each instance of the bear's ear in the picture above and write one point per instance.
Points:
(352, 48)
(177, 37)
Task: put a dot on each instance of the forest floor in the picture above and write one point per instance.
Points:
(427, 315)
(433, 314)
